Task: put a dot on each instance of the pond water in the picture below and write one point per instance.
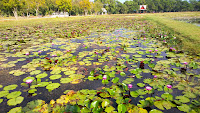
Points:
(79, 63)
(195, 21)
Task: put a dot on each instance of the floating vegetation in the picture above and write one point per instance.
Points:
(97, 65)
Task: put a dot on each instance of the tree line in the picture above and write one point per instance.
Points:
(83, 7)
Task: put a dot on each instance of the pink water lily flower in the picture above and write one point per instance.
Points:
(156, 50)
(27, 54)
(130, 85)
(144, 38)
(39, 51)
(54, 55)
(53, 44)
(148, 88)
(185, 63)
(155, 76)
(104, 77)
(29, 81)
(96, 52)
(150, 50)
(169, 86)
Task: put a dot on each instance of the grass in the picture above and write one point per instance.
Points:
(189, 34)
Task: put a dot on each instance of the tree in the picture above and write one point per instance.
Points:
(85, 5)
(97, 6)
(64, 5)
(13, 5)
(36, 4)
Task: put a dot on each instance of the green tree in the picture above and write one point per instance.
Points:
(36, 4)
(64, 5)
(97, 6)
(85, 5)
(132, 6)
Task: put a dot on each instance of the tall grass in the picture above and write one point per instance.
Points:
(188, 33)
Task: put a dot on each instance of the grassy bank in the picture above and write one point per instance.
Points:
(189, 34)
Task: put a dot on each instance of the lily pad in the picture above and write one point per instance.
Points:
(3, 93)
(42, 75)
(14, 94)
(15, 110)
(54, 77)
(52, 86)
(10, 87)
(15, 101)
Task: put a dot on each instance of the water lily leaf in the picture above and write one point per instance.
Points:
(147, 81)
(1, 100)
(155, 111)
(167, 96)
(115, 80)
(52, 86)
(15, 101)
(10, 87)
(138, 76)
(65, 80)
(109, 109)
(134, 94)
(184, 107)
(140, 84)
(183, 99)
(105, 103)
(1, 86)
(35, 103)
(17, 72)
(159, 105)
(141, 91)
(121, 108)
(85, 110)
(189, 94)
(94, 105)
(69, 72)
(122, 74)
(42, 75)
(166, 104)
(13, 94)
(3, 93)
(15, 110)
(32, 90)
(35, 72)
(54, 77)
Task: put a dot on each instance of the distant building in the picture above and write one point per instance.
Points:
(60, 14)
(104, 11)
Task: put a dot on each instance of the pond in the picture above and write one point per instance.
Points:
(100, 66)
(195, 21)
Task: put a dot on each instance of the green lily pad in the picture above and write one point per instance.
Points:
(115, 80)
(15, 101)
(42, 75)
(24, 80)
(52, 86)
(17, 72)
(183, 99)
(140, 84)
(1, 86)
(34, 104)
(3, 93)
(15, 110)
(109, 109)
(105, 103)
(134, 94)
(122, 74)
(54, 77)
(155, 111)
(184, 107)
(35, 72)
(1, 100)
(14, 94)
(42, 84)
(121, 108)
(10, 87)
(65, 80)
(32, 90)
